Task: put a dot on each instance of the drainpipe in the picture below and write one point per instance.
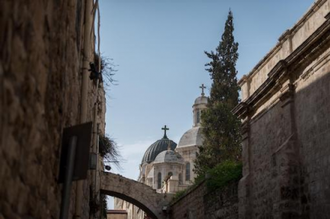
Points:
(96, 193)
(84, 89)
(95, 172)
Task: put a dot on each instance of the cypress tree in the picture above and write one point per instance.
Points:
(220, 126)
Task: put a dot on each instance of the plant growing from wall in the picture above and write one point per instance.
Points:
(109, 150)
(108, 69)
(94, 205)
(220, 126)
(178, 195)
(104, 206)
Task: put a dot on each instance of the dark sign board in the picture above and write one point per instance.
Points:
(84, 133)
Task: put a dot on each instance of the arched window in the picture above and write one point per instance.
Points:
(187, 171)
(198, 116)
(180, 179)
(159, 181)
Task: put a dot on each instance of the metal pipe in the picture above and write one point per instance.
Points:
(94, 149)
(96, 104)
(65, 203)
(84, 88)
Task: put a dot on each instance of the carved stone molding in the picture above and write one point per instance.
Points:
(245, 128)
(287, 94)
(305, 53)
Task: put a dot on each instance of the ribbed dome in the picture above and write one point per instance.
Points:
(201, 100)
(157, 147)
(168, 156)
(191, 137)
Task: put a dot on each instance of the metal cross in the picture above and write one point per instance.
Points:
(203, 87)
(165, 129)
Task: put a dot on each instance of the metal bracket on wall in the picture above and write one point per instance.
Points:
(74, 160)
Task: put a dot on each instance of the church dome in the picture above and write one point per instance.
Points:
(156, 148)
(201, 100)
(191, 137)
(168, 156)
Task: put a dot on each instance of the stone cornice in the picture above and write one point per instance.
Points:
(287, 34)
(312, 45)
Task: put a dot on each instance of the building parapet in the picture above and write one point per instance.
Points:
(288, 42)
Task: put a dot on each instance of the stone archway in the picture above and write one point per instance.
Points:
(134, 192)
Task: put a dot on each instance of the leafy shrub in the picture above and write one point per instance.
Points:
(223, 174)
(178, 195)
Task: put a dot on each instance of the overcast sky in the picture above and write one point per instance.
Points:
(158, 47)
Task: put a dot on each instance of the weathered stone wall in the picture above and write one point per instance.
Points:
(198, 203)
(222, 203)
(40, 94)
(191, 205)
(312, 108)
(273, 177)
(287, 157)
(286, 129)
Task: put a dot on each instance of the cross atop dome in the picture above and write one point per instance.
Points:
(202, 87)
(165, 128)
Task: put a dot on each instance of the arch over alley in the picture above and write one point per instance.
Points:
(136, 193)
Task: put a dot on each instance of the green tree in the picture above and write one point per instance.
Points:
(220, 126)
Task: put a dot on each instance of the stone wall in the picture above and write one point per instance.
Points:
(198, 203)
(222, 203)
(191, 205)
(286, 129)
(312, 104)
(40, 94)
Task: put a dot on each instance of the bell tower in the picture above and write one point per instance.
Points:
(199, 106)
